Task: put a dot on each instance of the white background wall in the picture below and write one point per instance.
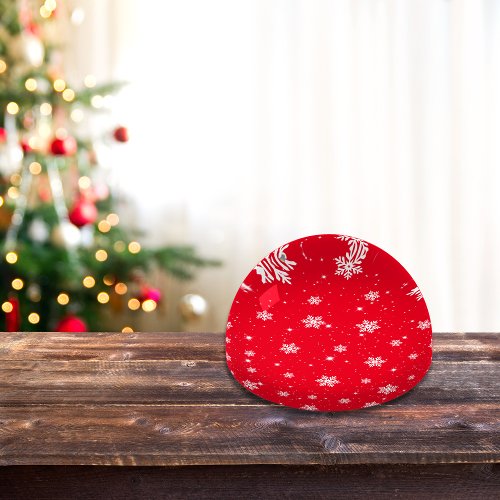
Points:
(257, 122)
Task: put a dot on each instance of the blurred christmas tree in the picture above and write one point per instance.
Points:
(66, 256)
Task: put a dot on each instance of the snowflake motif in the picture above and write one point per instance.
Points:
(423, 325)
(396, 343)
(229, 325)
(275, 267)
(340, 348)
(413, 356)
(313, 321)
(228, 340)
(349, 264)
(251, 385)
(228, 357)
(368, 326)
(411, 377)
(330, 358)
(314, 301)
(289, 348)
(248, 337)
(288, 375)
(308, 407)
(372, 296)
(283, 393)
(366, 380)
(264, 315)
(387, 389)
(325, 381)
(416, 292)
(378, 361)
(249, 353)
(312, 396)
(372, 403)
(344, 401)
(251, 370)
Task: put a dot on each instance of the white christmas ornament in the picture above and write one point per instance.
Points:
(38, 231)
(28, 48)
(66, 235)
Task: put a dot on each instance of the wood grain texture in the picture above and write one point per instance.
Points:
(167, 399)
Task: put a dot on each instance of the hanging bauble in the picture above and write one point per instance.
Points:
(28, 48)
(149, 293)
(25, 146)
(71, 323)
(121, 134)
(3, 135)
(192, 306)
(38, 231)
(83, 212)
(63, 147)
(66, 235)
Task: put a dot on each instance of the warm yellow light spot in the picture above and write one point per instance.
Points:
(134, 304)
(30, 84)
(13, 192)
(45, 108)
(113, 219)
(103, 298)
(134, 247)
(33, 142)
(108, 280)
(127, 329)
(84, 182)
(97, 101)
(7, 307)
(149, 305)
(104, 226)
(15, 179)
(34, 318)
(35, 168)
(90, 81)
(12, 108)
(3, 66)
(119, 246)
(101, 255)
(88, 282)
(1, 201)
(59, 85)
(63, 299)
(77, 115)
(17, 284)
(11, 257)
(68, 95)
(50, 4)
(121, 288)
(44, 12)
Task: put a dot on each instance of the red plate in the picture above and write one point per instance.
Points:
(329, 323)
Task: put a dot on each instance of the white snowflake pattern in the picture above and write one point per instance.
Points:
(411, 377)
(275, 266)
(283, 394)
(372, 403)
(313, 321)
(264, 315)
(288, 375)
(250, 385)
(344, 401)
(372, 296)
(326, 381)
(395, 343)
(289, 348)
(350, 264)
(251, 370)
(314, 301)
(378, 361)
(366, 380)
(340, 348)
(309, 407)
(228, 340)
(413, 355)
(416, 292)
(312, 396)
(229, 325)
(423, 325)
(387, 389)
(249, 353)
(228, 357)
(368, 326)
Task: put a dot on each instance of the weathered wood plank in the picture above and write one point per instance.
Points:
(200, 382)
(194, 346)
(457, 481)
(204, 435)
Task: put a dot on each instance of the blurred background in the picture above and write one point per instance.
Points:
(253, 123)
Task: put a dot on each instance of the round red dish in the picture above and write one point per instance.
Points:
(328, 323)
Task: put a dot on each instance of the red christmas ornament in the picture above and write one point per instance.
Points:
(13, 318)
(71, 323)
(148, 293)
(3, 135)
(121, 134)
(329, 323)
(83, 212)
(25, 145)
(63, 147)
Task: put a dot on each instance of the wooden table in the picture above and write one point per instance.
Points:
(158, 415)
